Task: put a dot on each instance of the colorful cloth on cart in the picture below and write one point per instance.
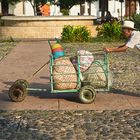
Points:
(95, 76)
(64, 74)
(57, 50)
(85, 60)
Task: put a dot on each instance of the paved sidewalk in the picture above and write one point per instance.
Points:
(29, 56)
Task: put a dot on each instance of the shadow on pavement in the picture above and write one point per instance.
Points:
(119, 91)
(73, 97)
(45, 77)
(4, 96)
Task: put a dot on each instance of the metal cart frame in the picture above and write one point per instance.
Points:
(18, 91)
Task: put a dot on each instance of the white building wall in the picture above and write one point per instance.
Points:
(0, 8)
(115, 8)
(16, 9)
(112, 8)
(95, 9)
(28, 9)
(138, 8)
(74, 10)
(55, 10)
(11, 9)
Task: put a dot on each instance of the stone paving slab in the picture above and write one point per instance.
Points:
(29, 56)
(70, 125)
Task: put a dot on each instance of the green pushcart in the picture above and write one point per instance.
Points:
(96, 79)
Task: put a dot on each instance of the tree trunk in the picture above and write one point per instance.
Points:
(89, 10)
(5, 7)
(34, 8)
(80, 9)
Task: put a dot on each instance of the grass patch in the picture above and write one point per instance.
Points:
(5, 48)
(102, 39)
(74, 47)
(99, 40)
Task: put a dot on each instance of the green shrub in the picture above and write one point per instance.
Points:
(75, 34)
(65, 12)
(1, 22)
(110, 30)
(136, 19)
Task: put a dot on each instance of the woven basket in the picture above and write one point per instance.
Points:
(64, 74)
(95, 76)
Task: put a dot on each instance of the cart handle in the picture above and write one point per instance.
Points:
(49, 42)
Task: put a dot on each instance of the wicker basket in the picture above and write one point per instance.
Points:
(95, 76)
(64, 74)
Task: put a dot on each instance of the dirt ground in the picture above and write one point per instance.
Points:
(28, 56)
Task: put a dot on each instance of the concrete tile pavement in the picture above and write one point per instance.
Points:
(29, 56)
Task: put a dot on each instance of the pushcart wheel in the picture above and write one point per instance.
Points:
(17, 92)
(22, 82)
(87, 94)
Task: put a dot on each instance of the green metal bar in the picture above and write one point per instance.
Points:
(51, 72)
(37, 89)
(49, 43)
(65, 91)
(62, 91)
(102, 89)
(107, 68)
(105, 61)
(57, 40)
(79, 74)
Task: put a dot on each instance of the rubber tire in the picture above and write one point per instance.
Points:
(87, 94)
(17, 92)
(22, 82)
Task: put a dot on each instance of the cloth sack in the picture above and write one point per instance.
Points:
(64, 74)
(86, 59)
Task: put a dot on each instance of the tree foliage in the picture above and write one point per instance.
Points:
(110, 30)
(136, 19)
(10, 1)
(75, 34)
